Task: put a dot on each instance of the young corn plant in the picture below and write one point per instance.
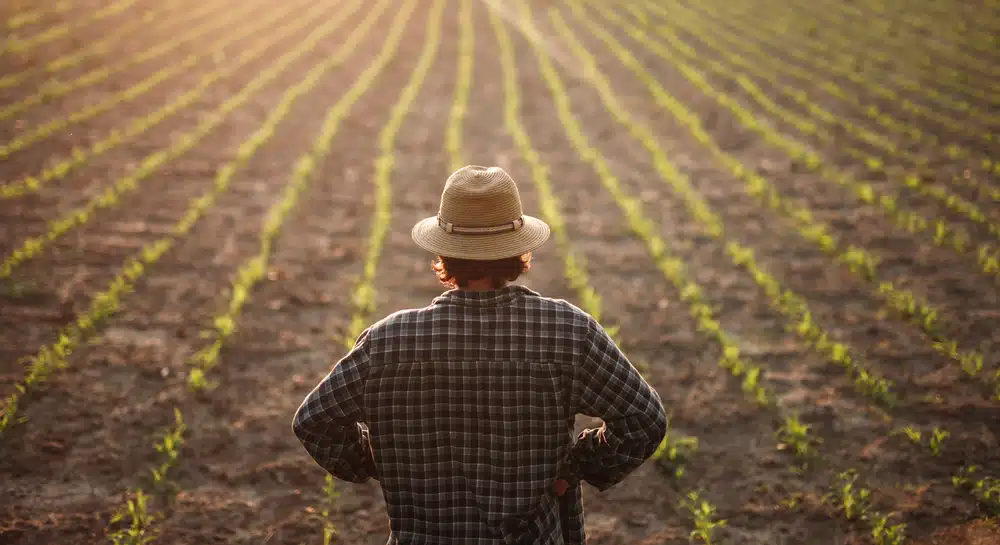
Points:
(674, 453)
(985, 489)
(851, 500)
(135, 513)
(169, 448)
(140, 521)
(330, 495)
(705, 521)
(794, 435)
(884, 533)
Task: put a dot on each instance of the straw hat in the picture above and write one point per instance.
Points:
(480, 218)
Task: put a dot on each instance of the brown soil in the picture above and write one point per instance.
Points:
(242, 477)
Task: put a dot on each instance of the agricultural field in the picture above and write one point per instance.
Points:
(787, 212)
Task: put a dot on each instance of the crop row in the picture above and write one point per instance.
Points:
(792, 434)
(14, 44)
(969, 65)
(847, 48)
(463, 85)
(56, 87)
(255, 268)
(874, 164)
(30, 17)
(882, 531)
(719, 29)
(80, 156)
(55, 357)
(675, 450)
(859, 261)
(937, 229)
(158, 15)
(768, 68)
(151, 164)
(822, 55)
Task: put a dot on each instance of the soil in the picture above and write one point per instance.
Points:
(241, 476)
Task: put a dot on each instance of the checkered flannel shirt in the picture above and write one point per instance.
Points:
(464, 412)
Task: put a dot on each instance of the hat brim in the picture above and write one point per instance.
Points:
(431, 237)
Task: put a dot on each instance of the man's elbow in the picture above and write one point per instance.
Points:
(301, 425)
(656, 430)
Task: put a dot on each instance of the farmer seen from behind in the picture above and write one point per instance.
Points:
(464, 410)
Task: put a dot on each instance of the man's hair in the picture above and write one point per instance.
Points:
(457, 273)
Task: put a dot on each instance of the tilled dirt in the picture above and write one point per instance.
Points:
(241, 477)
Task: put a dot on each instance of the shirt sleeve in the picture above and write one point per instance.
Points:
(329, 421)
(606, 385)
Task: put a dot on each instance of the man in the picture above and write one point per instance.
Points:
(464, 410)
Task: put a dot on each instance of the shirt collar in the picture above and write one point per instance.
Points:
(500, 296)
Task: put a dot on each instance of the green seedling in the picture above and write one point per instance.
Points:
(884, 533)
(849, 498)
(140, 521)
(705, 523)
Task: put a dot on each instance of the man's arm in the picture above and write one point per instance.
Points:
(606, 385)
(328, 423)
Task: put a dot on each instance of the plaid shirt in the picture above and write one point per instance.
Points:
(464, 412)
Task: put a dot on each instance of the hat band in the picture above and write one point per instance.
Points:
(452, 228)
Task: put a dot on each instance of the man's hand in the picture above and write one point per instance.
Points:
(559, 486)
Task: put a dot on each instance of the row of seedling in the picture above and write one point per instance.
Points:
(711, 30)
(873, 163)
(675, 450)
(956, 64)
(463, 85)
(836, 41)
(56, 87)
(37, 15)
(15, 44)
(159, 15)
(150, 165)
(132, 523)
(817, 53)
(136, 510)
(106, 303)
(937, 230)
(133, 92)
(859, 261)
(255, 269)
(789, 304)
(768, 67)
(363, 297)
(574, 264)
(901, 300)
